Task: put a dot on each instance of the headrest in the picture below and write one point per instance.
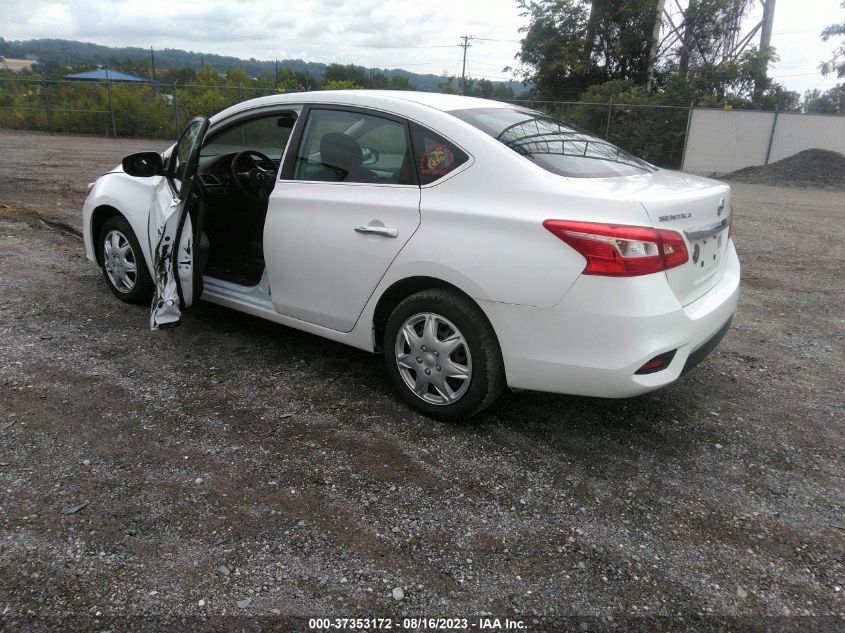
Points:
(340, 151)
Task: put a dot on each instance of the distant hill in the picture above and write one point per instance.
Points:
(55, 52)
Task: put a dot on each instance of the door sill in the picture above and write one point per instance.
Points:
(257, 296)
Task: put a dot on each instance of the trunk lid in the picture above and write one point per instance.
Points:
(701, 214)
(697, 208)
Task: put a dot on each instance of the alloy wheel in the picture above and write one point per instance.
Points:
(433, 358)
(120, 262)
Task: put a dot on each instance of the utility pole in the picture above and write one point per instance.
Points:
(153, 60)
(465, 46)
(276, 81)
(655, 41)
(765, 50)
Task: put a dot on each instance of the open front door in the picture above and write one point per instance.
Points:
(172, 232)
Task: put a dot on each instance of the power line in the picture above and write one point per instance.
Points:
(499, 66)
(796, 75)
(493, 39)
(497, 78)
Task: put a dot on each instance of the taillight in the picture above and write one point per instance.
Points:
(619, 250)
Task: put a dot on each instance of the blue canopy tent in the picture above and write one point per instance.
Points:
(108, 74)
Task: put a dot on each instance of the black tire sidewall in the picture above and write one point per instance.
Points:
(487, 370)
(143, 290)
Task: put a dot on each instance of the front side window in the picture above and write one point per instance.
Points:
(553, 145)
(347, 146)
(185, 151)
(267, 134)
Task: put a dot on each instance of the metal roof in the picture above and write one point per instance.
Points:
(108, 74)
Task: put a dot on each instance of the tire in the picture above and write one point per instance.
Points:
(451, 317)
(132, 286)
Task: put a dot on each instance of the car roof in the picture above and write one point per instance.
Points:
(388, 99)
(437, 100)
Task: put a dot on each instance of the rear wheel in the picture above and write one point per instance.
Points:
(442, 355)
(123, 262)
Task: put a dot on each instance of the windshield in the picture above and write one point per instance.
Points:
(553, 145)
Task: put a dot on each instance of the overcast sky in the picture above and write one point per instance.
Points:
(416, 36)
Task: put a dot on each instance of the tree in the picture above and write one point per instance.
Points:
(567, 47)
(837, 62)
(502, 92)
(551, 52)
(828, 102)
(446, 86)
(358, 75)
(399, 82)
(340, 84)
(483, 89)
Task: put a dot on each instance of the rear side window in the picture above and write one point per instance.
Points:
(434, 156)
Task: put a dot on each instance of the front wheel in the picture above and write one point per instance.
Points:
(123, 262)
(442, 355)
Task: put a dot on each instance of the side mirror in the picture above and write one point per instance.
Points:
(144, 164)
(369, 154)
(287, 120)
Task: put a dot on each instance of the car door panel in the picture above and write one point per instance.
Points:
(167, 213)
(322, 267)
(171, 231)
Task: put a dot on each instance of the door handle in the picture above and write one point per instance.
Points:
(377, 230)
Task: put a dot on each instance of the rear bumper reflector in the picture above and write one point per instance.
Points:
(658, 363)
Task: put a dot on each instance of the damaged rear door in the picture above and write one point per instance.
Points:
(171, 231)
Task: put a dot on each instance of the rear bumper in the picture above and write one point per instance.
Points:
(699, 354)
(605, 329)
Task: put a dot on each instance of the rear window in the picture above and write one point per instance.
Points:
(553, 145)
(434, 156)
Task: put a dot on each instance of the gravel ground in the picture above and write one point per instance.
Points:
(819, 168)
(233, 467)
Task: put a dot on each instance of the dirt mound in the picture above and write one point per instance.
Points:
(818, 168)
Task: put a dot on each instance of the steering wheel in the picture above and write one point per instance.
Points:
(254, 174)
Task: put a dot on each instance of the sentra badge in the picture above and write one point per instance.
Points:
(676, 216)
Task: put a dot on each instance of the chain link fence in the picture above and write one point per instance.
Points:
(140, 110)
(656, 133)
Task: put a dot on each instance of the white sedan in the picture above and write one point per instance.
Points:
(475, 244)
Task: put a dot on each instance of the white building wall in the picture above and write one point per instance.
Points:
(725, 140)
(722, 141)
(796, 132)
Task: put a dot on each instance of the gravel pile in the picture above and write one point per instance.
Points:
(818, 168)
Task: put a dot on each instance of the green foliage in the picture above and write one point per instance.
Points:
(568, 47)
(828, 102)
(837, 62)
(399, 82)
(449, 86)
(340, 84)
(143, 110)
(729, 84)
(573, 46)
(357, 75)
(648, 126)
(351, 76)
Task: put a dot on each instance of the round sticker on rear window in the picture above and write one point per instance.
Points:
(436, 161)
